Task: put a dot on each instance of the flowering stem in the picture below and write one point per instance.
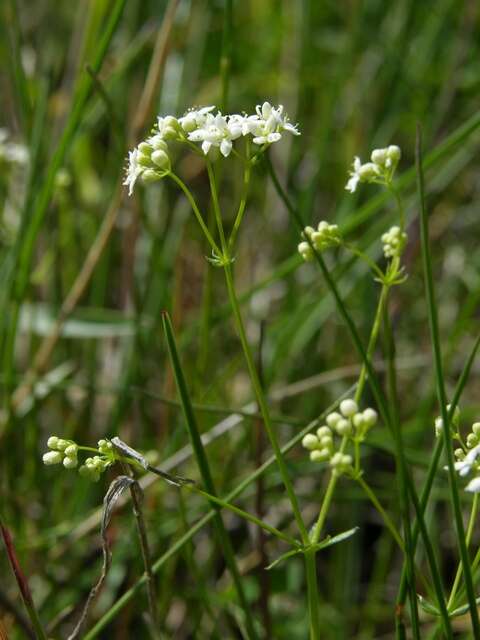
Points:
(312, 589)
(196, 211)
(257, 387)
(468, 539)
(363, 256)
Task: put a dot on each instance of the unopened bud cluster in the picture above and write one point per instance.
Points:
(380, 169)
(325, 236)
(66, 452)
(350, 422)
(393, 242)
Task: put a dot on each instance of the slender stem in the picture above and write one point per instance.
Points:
(242, 514)
(243, 201)
(257, 387)
(312, 587)
(196, 211)
(386, 518)
(262, 403)
(363, 256)
(458, 576)
(447, 436)
(402, 469)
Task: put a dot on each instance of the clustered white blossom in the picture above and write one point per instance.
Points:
(393, 242)
(326, 235)
(66, 452)
(12, 152)
(380, 169)
(350, 422)
(468, 453)
(150, 160)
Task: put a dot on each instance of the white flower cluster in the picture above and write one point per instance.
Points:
(380, 169)
(326, 235)
(150, 159)
(466, 462)
(61, 451)
(393, 241)
(350, 422)
(66, 452)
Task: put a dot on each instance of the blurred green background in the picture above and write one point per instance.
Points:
(355, 75)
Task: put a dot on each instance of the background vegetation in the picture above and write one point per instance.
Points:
(80, 261)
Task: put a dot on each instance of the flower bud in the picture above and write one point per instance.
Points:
(358, 420)
(71, 450)
(476, 428)
(370, 417)
(348, 408)
(472, 440)
(52, 457)
(323, 431)
(145, 149)
(310, 442)
(62, 444)
(394, 153)
(368, 171)
(459, 454)
(379, 156)
(305, 250)
(319, 455)
(70, 463)
(150, 175)
(161, 159)
(326, 442)
(52, 442)
(343, 427)
(158, 144)
(332, 419)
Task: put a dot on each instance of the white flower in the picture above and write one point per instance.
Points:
(465, 466)
(134, 170)
(194, 118)
(474, 485)
(269, 124)
(217, 131)
(380, 169)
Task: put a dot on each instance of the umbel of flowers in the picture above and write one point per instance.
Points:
(212, 130)
(349, 424)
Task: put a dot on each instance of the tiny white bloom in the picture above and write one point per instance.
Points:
(474, 485)
(354, 175)
(134, 170)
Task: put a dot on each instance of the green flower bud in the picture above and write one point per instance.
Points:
(310, 442)
(52, 457)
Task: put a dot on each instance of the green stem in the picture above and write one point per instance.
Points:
(196, 211)
(458, 576)
(442, 399)
(262, 403)
(386, 518)
(243, 202)
(257, 387)
(312, 588)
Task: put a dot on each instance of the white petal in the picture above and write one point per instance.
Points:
(352, 183)
(206, 146)
(260, 140)
(357, 163)
(225, 147)
(473, 486)
(274, 137)
(266, 110)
